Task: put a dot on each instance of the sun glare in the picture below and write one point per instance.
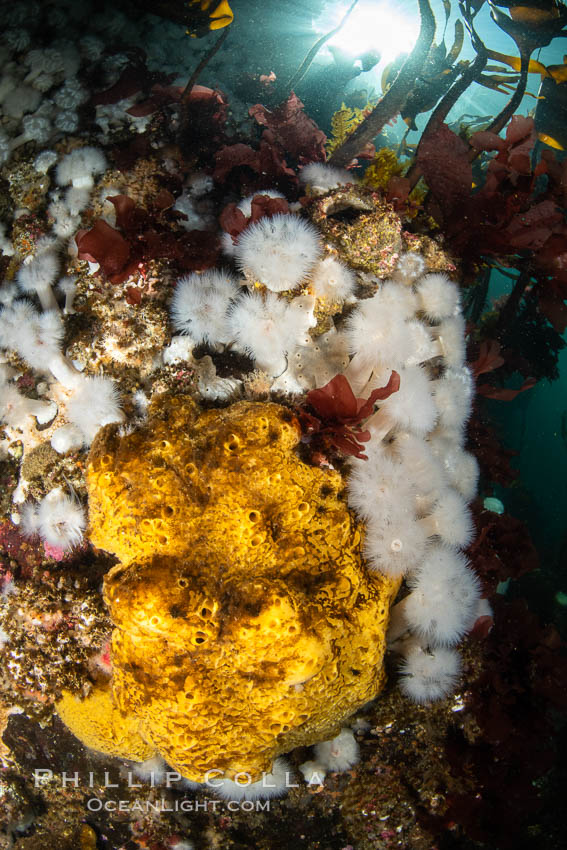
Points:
(372, 26)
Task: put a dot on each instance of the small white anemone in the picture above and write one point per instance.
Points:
(29, 524)
(340, 753)
(443, 602)
(201, 303)
(313, 772)
(79, 167)
(374, 485)
(68, 286)
(270, 329)
(152, 770)
(278, 251)
(411, 408)
(423, 346)
(438, 297)
(460, 466)
(377, 336)
(450, 342)
(395, 543)
(36, 127)
(332, 280)
(410, 267)
(429, 675)
(320, 178)
(453, 394)
(36, 337)
(95, 403)
(59, 520)
(15, 407)
(36, 275)
(67, 438)
(20, 100)
(44, 161)
(419, 463)
(399, 300)
(71, 94)
(77, 199)
(450, 519)
(66, 120)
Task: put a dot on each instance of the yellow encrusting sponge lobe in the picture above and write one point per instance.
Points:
(246, 621)
(101, 725)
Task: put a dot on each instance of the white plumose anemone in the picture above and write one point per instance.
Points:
(438, 297)
(399, 299)
(340, 753)
(79, 167)
(59, 520)
(67, 438)
(395, 543)
(419, 463)
(68, 286)
(36, 275)
(278, 251)
(376, 484)
(383, 494)
(429, 675)
(313, 772)
(152, 770)
(15, 408)
(29, 525)
(450, 341)
(77, 199)
(95, 403)
(200, 306)
(424, 347)
(411, 408)
(376, 334)
(332, 280)
(461, 467)
(442, 605)
(36, 337)
(270, 329)
(410, 267)
(320, 178)
(450, 519)
(453, 394)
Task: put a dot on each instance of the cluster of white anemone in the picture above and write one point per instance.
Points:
(40, 91)
(413, 490)
(90, 401)
(268, 312)
(77, 404)
(337, 755)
